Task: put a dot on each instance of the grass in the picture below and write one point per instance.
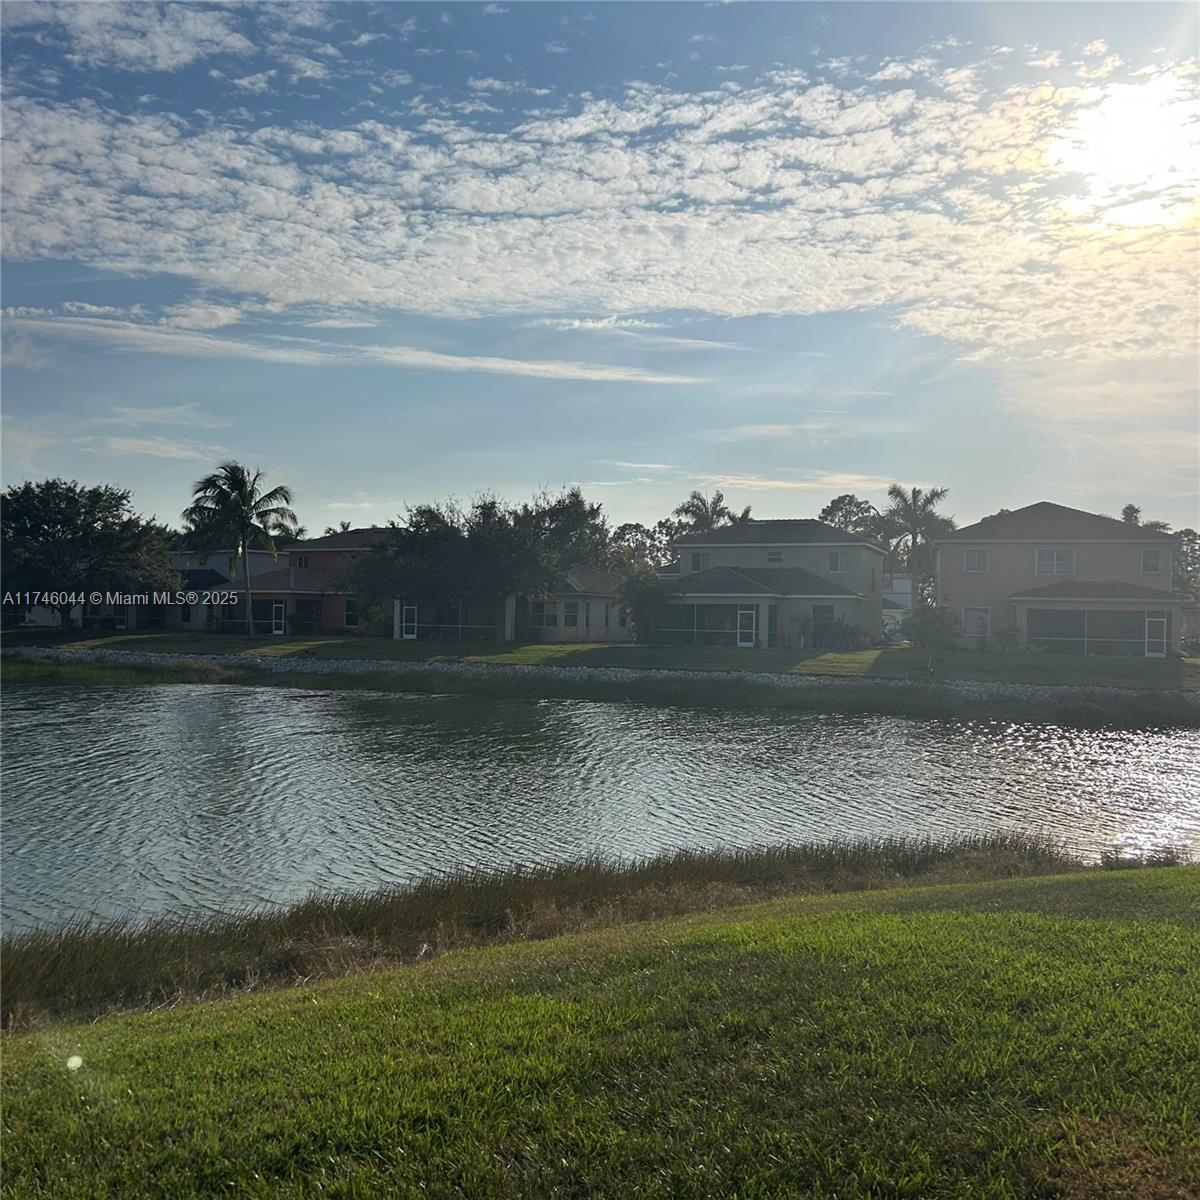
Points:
(86, 969)
(890, 662)
(1029, 1038)
(1146, 709)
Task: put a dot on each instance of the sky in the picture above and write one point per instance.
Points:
(392, 253)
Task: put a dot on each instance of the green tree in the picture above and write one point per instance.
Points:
(230, 508)
(700, 514)
(653, 547)
(341, 527)
(61, 536)
(915, 523)
(1131, 514)
(850, 513)
(1186, 576)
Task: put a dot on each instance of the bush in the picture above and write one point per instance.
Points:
(1190, 645)
(932, 629)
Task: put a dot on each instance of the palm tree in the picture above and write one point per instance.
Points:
(703, 515)
(229, 505)
(915, 522)
(343, 527)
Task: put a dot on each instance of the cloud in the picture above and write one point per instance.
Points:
(150, 447)
(1053, 59)
(493, 10)
(811, 481)
(556, 48)
(132, 37)
(1095, 49)
(256, 84)
(149, 339)
(638, 466)
(131, 416)
(504, 85)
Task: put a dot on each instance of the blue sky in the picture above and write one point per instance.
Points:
(394, 252)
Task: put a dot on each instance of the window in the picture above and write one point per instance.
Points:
(351, 612)
(700, 562)
(302, 560)
(822, 612)
(623, 617)
(185, 614)
(571, 613)
(1055, 562)
(542, 615)
(977, 622)
(838, 561)
(1152, 561)
(975, 562)
(774, 556)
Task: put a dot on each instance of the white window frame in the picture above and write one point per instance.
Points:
(570, 614)
(350, 609)
(302, 561)
(1055, 550)
(843, 562)
(774, 556)
(1157, 550)
(977, 608)
(987, 562)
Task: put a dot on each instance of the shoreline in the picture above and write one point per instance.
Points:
(1082, 704)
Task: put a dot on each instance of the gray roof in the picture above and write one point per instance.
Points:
(590, 581)
(348, 539)
(758, 581)
(1047, 521)
(783, 532)
(1098, 589)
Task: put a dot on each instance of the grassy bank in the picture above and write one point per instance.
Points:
(1146, 709)
(1025, 1038)
(88, 969)
(889, 662)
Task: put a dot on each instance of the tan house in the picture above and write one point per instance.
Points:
(1061, 580)
(756, 583)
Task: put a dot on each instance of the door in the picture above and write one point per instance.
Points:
(408, 622)
(278, 616)
(1156, 637)
(747, 618)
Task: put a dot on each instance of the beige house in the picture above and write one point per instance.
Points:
(1060, 580)
(754, 583)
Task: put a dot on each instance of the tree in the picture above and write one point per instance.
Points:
(653, 547)
(915, 522)
(61, 536)
(488, 550)
(1186, 576)
(229, 506)
(699, 514)
(284, 535)
(342, 527)
(850, 513)
(1132, 515)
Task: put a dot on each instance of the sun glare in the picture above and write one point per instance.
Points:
(1138, 149)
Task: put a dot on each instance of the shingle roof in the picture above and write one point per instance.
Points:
(1098, 589)
(758, 581)
(349, 539)
(1046, 521)
(783, 532)
(203, 577)
(299, 579)
(593, 581)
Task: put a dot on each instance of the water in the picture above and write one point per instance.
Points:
(178, 799)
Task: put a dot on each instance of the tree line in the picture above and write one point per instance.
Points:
(60, 535)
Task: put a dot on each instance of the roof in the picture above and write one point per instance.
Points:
(1047, 521)
(784, 532)
(894, 605)
(591, 581)
(758, 581)
(1099, 589)
(299, 579)
(204, 577)
(347, 539)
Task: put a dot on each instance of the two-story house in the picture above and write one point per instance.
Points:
(1061, 580)
(749, 583)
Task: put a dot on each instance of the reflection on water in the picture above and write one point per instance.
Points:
(122, 801)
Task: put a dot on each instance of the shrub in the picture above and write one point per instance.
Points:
(1190, 645)
(932, 629)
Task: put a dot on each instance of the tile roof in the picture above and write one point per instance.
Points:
(204, 577)
(758, 581)
(300, 579)
(1098, 589)
(784, 532)
(349, 539)
(592, 581)
(1047, 521)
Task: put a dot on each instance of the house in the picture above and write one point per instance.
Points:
(897, 602)
(306, 592)
(759, 583)
(1062, 580)
(582, 607)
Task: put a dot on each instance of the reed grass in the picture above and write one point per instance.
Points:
(84, 969)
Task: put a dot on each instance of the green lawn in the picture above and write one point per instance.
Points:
(1030, 1038)
(885, 663)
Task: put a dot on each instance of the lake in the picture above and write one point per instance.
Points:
(176, 799)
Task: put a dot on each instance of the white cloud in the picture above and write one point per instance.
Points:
(255, 83)
(493, 10)
(132, 37)
(504, 85)
(151, 447)
(556, 48)
(809, 481)
(1053, 59)
(132, 416)
(149, 339)
(1095, 49)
